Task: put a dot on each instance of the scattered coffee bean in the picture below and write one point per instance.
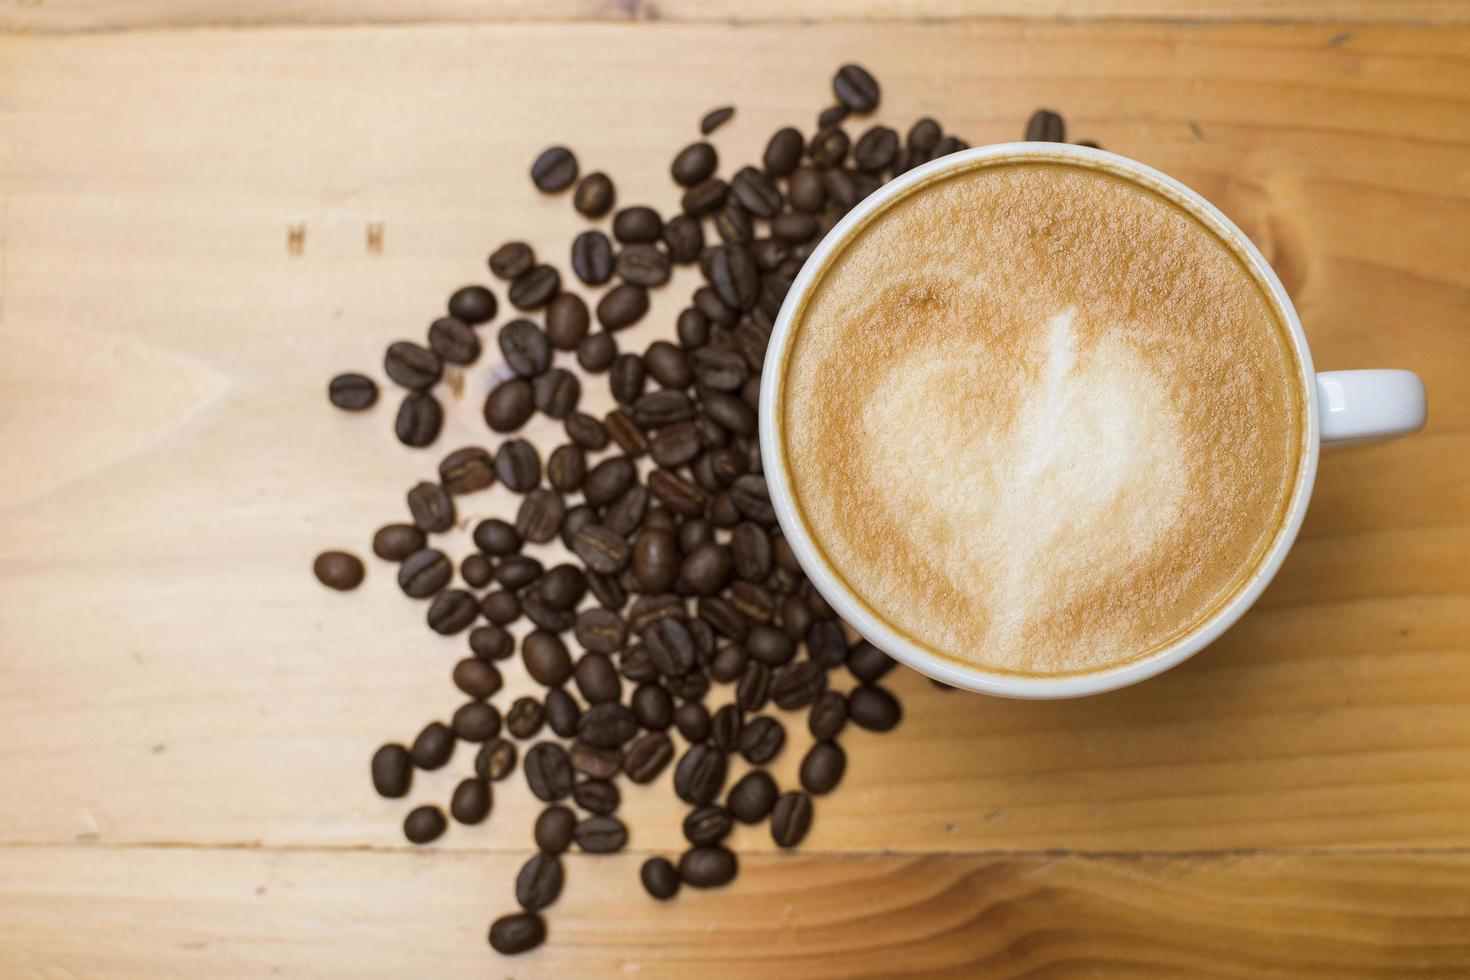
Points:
(791, 818)
(873, 708)
(684, 238)
(603, 549)
(694, 163)
(496, 537)
(659, 878)
(832, 115)
(512, 260)
(554, 826)
(412, 365)
(700, 775)
(352, 392)
(419, 420)
(705, 197)
(518, 933)
(431, 507)
(554, 170)
(595, 762)
(433, 746)
(496, 759)
(875, 149)
(637, 224)
(783, 152)
(476, 571)
(595, 195)
(466, 470)
(452, 611)
(643, 265)
(600, 835)
(338, 570)
(751, 798)
(476, 721)
(607, 725)
(546, 658)
(534, 289)
(424, 573)
(539, 882)
(454, 341)
(517, 465)
(708, 867)
(548, 772)
(822, 767)
(1045, 126)
(622, 306)
(424, 824)
(395, 542)
(856, 89)
(596, 352)
(392, 770)
(761, 740)
(716, 118)
(491, 642)
(599, 796)
(471, 801)
(525, 717)
(828, 715)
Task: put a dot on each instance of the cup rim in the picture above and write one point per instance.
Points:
(874, 629)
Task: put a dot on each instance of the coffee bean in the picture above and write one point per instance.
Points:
(700, 774)
(725, 728)
(608, 480)
(735, 277)
(1045, 126)
(875, 149)
(597, 679)
(490, 642)
(392, 771)
(822, 767)
(595, 195)
(708, 302)
(659, 878)
(546, 658)
(808, 191)
(600, 631)
(432, 746)
(694, 163)
(419, 420)
(412, 365)
(653, 707)
(751, 798)
(596, 352)
(705, 197)
(793, 226)
(509, 405)
(548, 771)
(950, 145)
(637, 224)
(607, 725)
(754, 687)
(716, 118)
(567, 321)
(707, 825)
(595, 762)
(734, 225)
(539, 881)
(525, 717)
(352, 392)
(707, 569)
(606, 590)
(719, 369)
(431, 507)
(684, 238)
(554, 170)
(603, 549)
(873, 708)
(452, 611)
(622, 306)
(675, 493)
(454, 341)
(465, 471)
(756, 192)
(752, 499)
(832, 115)
(496, 759)
(512, 260)
(828, 149)
(761, 740)
(643, 265)
(517, 465)
(553, 831)
(600, 835)
(647, 756)
(730, 412)
(338, 570)
(545, 615)
(471, 801)
(588, 433)
(518, 933)
(729, 664)
(693, 721)
(518, 571)
(424, 824)
(424, 573)
(827, 643)
(476, 721)
(592, 258)
(828, 715)
(535, 288)
(395, 542)
(496, 537)
(708, 867)
(655, 560)
(797, 684)
(856, 89)
(501, 608)
(660, 408)
(783, 152)
(675, 445)
(791, 818)
(556, 393)
(561, 712)
(923, 136)
(598, 796)
(525, 348)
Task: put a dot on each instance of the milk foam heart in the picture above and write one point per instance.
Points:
(1040, 418)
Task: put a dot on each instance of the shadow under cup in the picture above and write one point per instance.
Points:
(1251, 574)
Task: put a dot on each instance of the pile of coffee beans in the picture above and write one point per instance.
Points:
(685, 613)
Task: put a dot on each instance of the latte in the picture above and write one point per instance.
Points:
(1040, 418)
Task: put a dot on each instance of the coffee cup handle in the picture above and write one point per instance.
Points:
(1369, 406)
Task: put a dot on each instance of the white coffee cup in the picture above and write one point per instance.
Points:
(1343, 408)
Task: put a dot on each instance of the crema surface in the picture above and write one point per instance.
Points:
(1040, 418)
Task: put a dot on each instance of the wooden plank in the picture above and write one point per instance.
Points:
(55, 16)
(90, 911)
(172, 673)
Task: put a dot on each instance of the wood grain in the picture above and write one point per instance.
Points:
(54, 16)
(259, 913)
(182, 705)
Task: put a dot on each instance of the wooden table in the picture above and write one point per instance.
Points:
(208, 209)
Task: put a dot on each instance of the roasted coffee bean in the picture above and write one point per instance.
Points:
(694, 532)
(707, 569)
(855, 88)
(663, 407)
(496, 759)
(815, 602)
(668, 364)
(730, 412)
(637, 224)
(491, 642)
(752, 498)
(496, 537)
(729, 664)
(923, 135)
(603, 549)
(647, 756)
(653, 707)
(655, 560)
(352, 392)
(1045, 126)
(700, 775)
(735, 277)
(724, 617)
(554, 170)
(716, 118)
(783, 152)
(433, 746)
(734, 225)
(707, 825)
(518, 933)
(595, 195)
(525, 717)
(756, 192)
(562, 712)
(511, 260)
(592, 257)
(607, 725)
(588, 434)
(609, 480)
(600, 835)
(338, 570)
(509, 405)
(675, 445)
(424, 824)
(791, 818)
(540, 515)
(694, 163)
(622, 306)
(947, 146)
(708, 867)
(708, 302)
(875, 149)
(719, 369)
(797, 684)
(721, 510)
(822, 767)
(827, 643)
(412, 365)
(471, 801)
(659, 878)
(808, 191)
(828, 715)
(517, 465)
(395, 542)
(454, 341)
(692, 686)
(539, 882)
(476, 721)
(693, 721)
(873, 708)
(643, 265)
(431, 507)
(598, 796)
(761, 740)
(424, 573)
(392, 771)
(595, 762)
(465, 471)
(750, 548)
(606, 589)
(596, 352)
(548, 771)
(684, 238)
(535, 288)
(553, 830)
(793, 226)
(501, 608)
(828, 149)
(706, 197)
(769, 253)
(566, 468)
(600, 631)
(832, 115)
(597, 679)
(567, 321)
(725, 728)
(556, 393)
(670, 646)
(419, 420)
(525, 348)
(752, 601)
(624, 514)
(546, 658)
(562, 587)
(452, 611)
(675, 493)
